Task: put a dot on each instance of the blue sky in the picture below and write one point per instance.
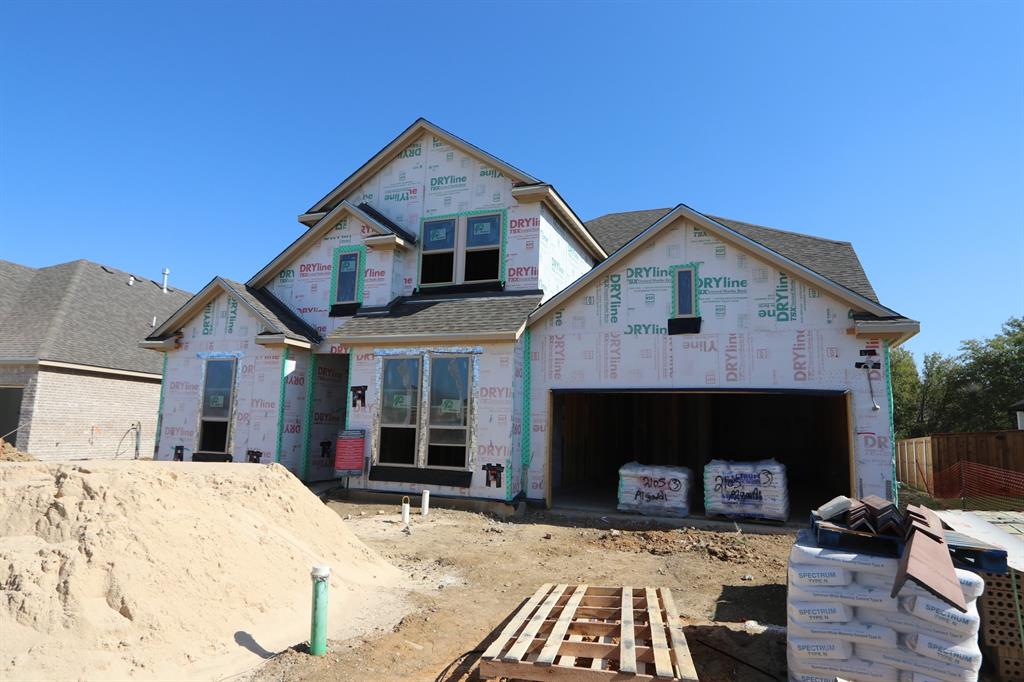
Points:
(190, 135)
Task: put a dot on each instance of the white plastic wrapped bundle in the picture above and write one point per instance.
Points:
(746, 489)
(842, 597)
(654, 490)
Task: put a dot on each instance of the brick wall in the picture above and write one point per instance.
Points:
(78, 415)
(24, 377)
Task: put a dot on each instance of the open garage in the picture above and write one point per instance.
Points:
(596, 432)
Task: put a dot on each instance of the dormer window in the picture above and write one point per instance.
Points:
(347, 271)
(461, 250)
(348, 277)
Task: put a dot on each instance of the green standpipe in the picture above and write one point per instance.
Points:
(318, 622)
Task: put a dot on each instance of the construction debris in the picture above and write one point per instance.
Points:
(164, 570)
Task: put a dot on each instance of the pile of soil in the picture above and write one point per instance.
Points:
(165, 570)
(9, 453)
(733, 547)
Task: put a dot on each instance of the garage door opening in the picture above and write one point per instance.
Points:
(594, 433)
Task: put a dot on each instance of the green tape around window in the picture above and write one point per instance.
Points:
(307, 419)
(160, 408)
(892, 429)
(360, 270)
(696, 286)
(525, 426)
(280, 405)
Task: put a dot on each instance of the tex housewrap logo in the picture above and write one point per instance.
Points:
(314, 270)
(782, 307)
(722, 283)
(486, 172)
(518, 226)
(610, 292)
(399, 195)
(412, 151)
(448, 183)
(209, 311)
(648, 275)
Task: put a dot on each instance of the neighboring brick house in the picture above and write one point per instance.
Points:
(487, 343)
(73, 380)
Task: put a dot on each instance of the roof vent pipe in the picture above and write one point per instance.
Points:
(167, 271)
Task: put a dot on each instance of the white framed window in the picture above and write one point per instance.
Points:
(215, 413)
(399, 411)
(461, 250)
(448, 419)
(684, 291)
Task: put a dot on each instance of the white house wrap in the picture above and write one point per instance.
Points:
(489, 344)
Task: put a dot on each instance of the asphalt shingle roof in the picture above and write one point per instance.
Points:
(82, 313)
(832, 259)
(275, 312)
(444, 315)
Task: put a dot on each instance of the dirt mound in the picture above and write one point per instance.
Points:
(9, 453)
(162, 570)
(737, 548)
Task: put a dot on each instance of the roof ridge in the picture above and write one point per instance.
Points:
(62, 308)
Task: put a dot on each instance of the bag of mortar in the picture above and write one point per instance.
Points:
(654, 490)
(746, 489)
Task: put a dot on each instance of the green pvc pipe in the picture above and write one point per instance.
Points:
(318, 622)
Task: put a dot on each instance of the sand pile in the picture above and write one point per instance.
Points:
(164, 570)
(9, 453)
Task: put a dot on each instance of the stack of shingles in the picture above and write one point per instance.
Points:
(925, 558)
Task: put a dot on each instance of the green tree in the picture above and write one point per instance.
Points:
(906, 389)
(989, 378)
(971, 391)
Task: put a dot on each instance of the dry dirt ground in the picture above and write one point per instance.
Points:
(466, 572)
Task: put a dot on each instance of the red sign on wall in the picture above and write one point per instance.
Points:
(348, 452)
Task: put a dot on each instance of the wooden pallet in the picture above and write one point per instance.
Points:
(583, 633)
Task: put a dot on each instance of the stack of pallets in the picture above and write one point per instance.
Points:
(579, 632)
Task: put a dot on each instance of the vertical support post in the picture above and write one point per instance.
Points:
(318, 621)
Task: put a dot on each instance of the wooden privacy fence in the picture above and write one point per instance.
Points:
(917, 459)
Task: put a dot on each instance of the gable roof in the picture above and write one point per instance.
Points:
(835, 260)
(81, 313)
(278, 320)
(880, 316)
(411, 319)
(387, 154)
(363, 212)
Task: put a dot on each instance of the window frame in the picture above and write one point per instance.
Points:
(423, 424)
(467, 412)
(454, 250)
(694, 290)
(339, 251)
(228, 419)
(460, 248)
(416, 425)
(466, 249)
